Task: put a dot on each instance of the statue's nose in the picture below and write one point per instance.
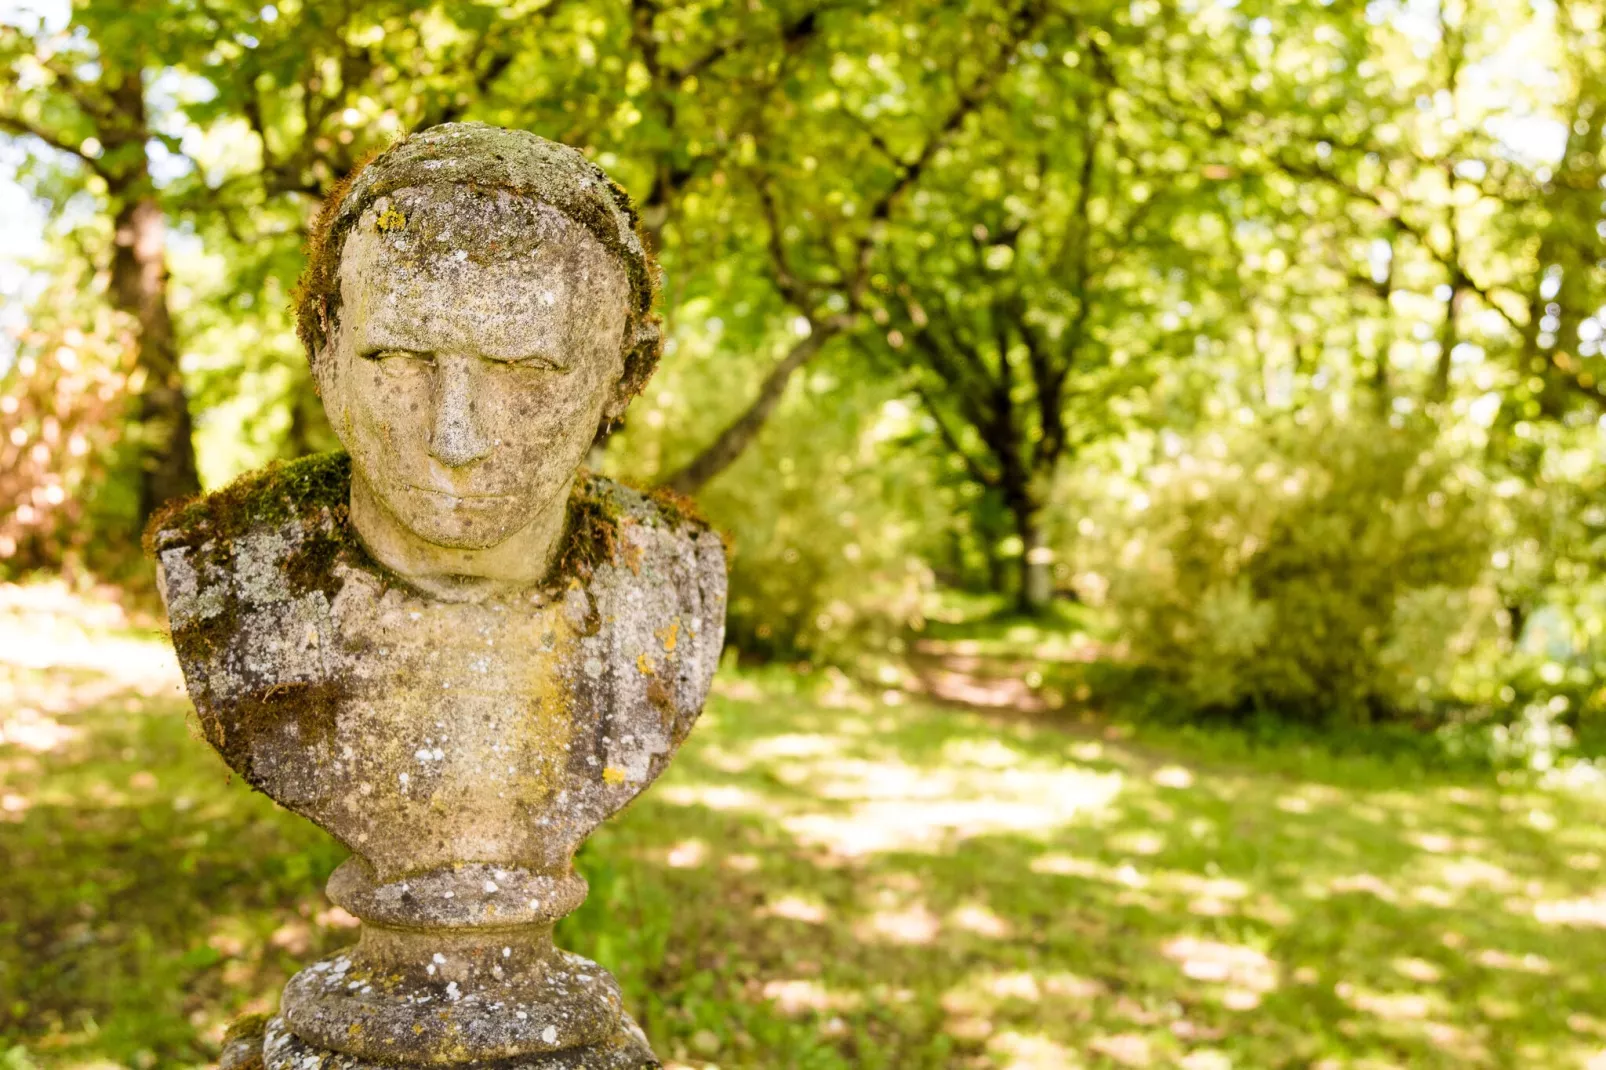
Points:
(456, 439)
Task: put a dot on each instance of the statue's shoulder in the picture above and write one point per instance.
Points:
(613, 522)
(280, 537)
(654, 506)
(306, 493)
(262, 539)
(648, 576)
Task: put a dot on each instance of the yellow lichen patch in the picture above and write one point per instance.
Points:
(669, 635)
(390, 220)
(614, 775)
(644, 665)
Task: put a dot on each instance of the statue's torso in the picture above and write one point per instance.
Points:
(424, 733)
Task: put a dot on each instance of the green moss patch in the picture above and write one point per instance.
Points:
(283, 491)
(316, 491)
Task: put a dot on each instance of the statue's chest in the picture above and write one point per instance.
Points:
(455, 657)
(353, 699)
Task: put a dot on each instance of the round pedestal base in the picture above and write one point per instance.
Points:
(269, 1045)
(338, 1006)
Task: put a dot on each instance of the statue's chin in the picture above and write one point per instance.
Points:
(470, 535)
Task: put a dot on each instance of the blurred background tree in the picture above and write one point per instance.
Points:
(1269, 333)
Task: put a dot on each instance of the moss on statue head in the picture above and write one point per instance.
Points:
(487, 159)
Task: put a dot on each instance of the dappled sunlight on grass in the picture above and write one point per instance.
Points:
(795, 997)
(1589, 912)
(1245, 973)
(713, 797)
(981, 921)
(1018, 1051)
(914, 924)
(688, 854)
(844, 884)
(798, 909)
(1154, 910)
(883, 802)
(45, 626)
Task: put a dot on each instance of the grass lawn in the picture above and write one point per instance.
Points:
(828, 880)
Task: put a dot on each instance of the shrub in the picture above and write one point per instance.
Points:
(1321, 572)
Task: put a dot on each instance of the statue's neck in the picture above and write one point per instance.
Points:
(450, 573)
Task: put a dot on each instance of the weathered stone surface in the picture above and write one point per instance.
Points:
(462, 750)
(451, 649)
(537, 1003)
(242, 1044)
(625, 1049)
(425, 734)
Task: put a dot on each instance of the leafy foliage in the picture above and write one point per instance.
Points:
(64, 460)
(1324, 571)
(1050, 239)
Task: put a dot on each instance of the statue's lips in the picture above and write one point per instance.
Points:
(456, 499)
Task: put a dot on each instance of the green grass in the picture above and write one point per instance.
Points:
(824, 880)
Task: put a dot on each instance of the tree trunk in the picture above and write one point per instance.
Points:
(162, 410)
(298, 436)
(729, 444)
(1036, 562)
(1382, 388)
(1449, 338)
(1516, 620)
(309, 431)
(161, 429)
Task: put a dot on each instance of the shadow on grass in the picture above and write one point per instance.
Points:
(833, 883)
(920, 887)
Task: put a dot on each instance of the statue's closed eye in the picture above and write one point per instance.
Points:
(540, 362)
(401, 363)
(400, 360)
(387, 356)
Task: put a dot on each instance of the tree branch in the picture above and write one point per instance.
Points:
(796, 292)
(11, 124)
(731, 442)
(1026, 22)
(951, 440)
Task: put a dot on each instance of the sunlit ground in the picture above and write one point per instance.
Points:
(827, 880)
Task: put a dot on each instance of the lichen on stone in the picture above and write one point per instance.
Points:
(315, 492)
(488, 159)
(267, 497)
(462, 749)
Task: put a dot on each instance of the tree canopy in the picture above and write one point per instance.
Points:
(940, 279)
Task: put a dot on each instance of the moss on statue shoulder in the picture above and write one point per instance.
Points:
(315, 491)
(283, 491)
(597, 508)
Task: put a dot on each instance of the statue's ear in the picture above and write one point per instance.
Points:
(328, 378)
(640, 359)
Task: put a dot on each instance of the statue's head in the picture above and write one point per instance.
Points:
(476, 306)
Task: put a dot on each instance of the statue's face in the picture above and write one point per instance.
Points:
(478, 349)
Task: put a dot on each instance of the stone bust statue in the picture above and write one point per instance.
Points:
(448, 646)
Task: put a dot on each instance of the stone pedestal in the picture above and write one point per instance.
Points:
(260, 1042)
